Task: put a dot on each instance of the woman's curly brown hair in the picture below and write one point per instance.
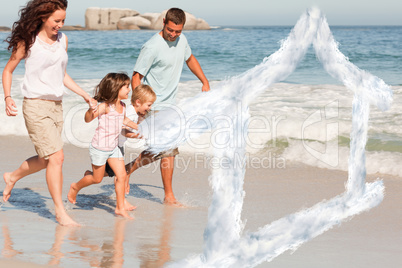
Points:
(27, 27)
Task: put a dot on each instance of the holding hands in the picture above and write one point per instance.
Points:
(93, 104)
(11, 108)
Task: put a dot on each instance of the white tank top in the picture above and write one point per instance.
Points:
(45, 68)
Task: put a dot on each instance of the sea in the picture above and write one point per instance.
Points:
(283, 126)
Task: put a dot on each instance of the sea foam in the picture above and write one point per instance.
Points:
(225, 108)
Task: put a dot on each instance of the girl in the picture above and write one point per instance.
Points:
(113, 88)
(35, 37)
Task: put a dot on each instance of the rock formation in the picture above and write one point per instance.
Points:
(192, 23)
(127, 19)
(72, 28)
(4, 29)
(106, 18)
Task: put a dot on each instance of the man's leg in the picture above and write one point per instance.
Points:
(167, 167)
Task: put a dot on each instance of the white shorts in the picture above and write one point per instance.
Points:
(99, 157)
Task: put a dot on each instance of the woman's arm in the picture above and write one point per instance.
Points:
(74, 87)
(71, 85)
(15, 59)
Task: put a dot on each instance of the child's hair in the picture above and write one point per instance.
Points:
(108, 88)
(143, 93)
(31, 18)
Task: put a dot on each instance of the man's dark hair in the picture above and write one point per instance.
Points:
(176, 15)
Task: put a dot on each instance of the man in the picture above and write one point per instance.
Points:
(160, 65)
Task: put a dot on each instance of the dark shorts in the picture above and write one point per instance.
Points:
(108, 169)
(169, 153)
(161, 155)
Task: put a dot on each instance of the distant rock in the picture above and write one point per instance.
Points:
(106, 18)
(72, 28)
(4, 29)
(202, 25)
(152, 17)
(133, 23)
(192, 23)
(127, 24)
(127, 19)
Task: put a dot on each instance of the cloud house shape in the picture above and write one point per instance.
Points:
(225, 245)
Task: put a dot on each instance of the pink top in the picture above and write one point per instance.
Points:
(106, 136)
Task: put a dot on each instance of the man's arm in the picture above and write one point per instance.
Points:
(136, 80)
(196, 69)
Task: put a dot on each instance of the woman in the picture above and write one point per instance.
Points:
(35, 37)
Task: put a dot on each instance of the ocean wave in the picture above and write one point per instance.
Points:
(282, 118)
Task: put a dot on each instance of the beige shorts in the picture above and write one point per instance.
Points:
(44, 122)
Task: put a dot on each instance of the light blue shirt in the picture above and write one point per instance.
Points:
(161, 64)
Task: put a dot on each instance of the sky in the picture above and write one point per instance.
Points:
(238, 12)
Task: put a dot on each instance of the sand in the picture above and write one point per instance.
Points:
(160, 234)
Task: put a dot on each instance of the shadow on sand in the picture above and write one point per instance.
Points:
(29, 200)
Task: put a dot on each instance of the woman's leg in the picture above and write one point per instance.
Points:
(89, 178)
(54, 179)
(29, 166)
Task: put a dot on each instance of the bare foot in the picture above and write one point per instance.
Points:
(123, 213)
(65, 220)
(173, 202)
(9, 186)
(128, 206)
(72, 194)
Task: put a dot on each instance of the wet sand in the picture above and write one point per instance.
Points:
(161, 234)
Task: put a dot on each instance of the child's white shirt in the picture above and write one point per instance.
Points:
(133, 116)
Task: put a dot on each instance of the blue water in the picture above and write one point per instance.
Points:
(230, 50)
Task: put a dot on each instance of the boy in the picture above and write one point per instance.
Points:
(142, 99)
